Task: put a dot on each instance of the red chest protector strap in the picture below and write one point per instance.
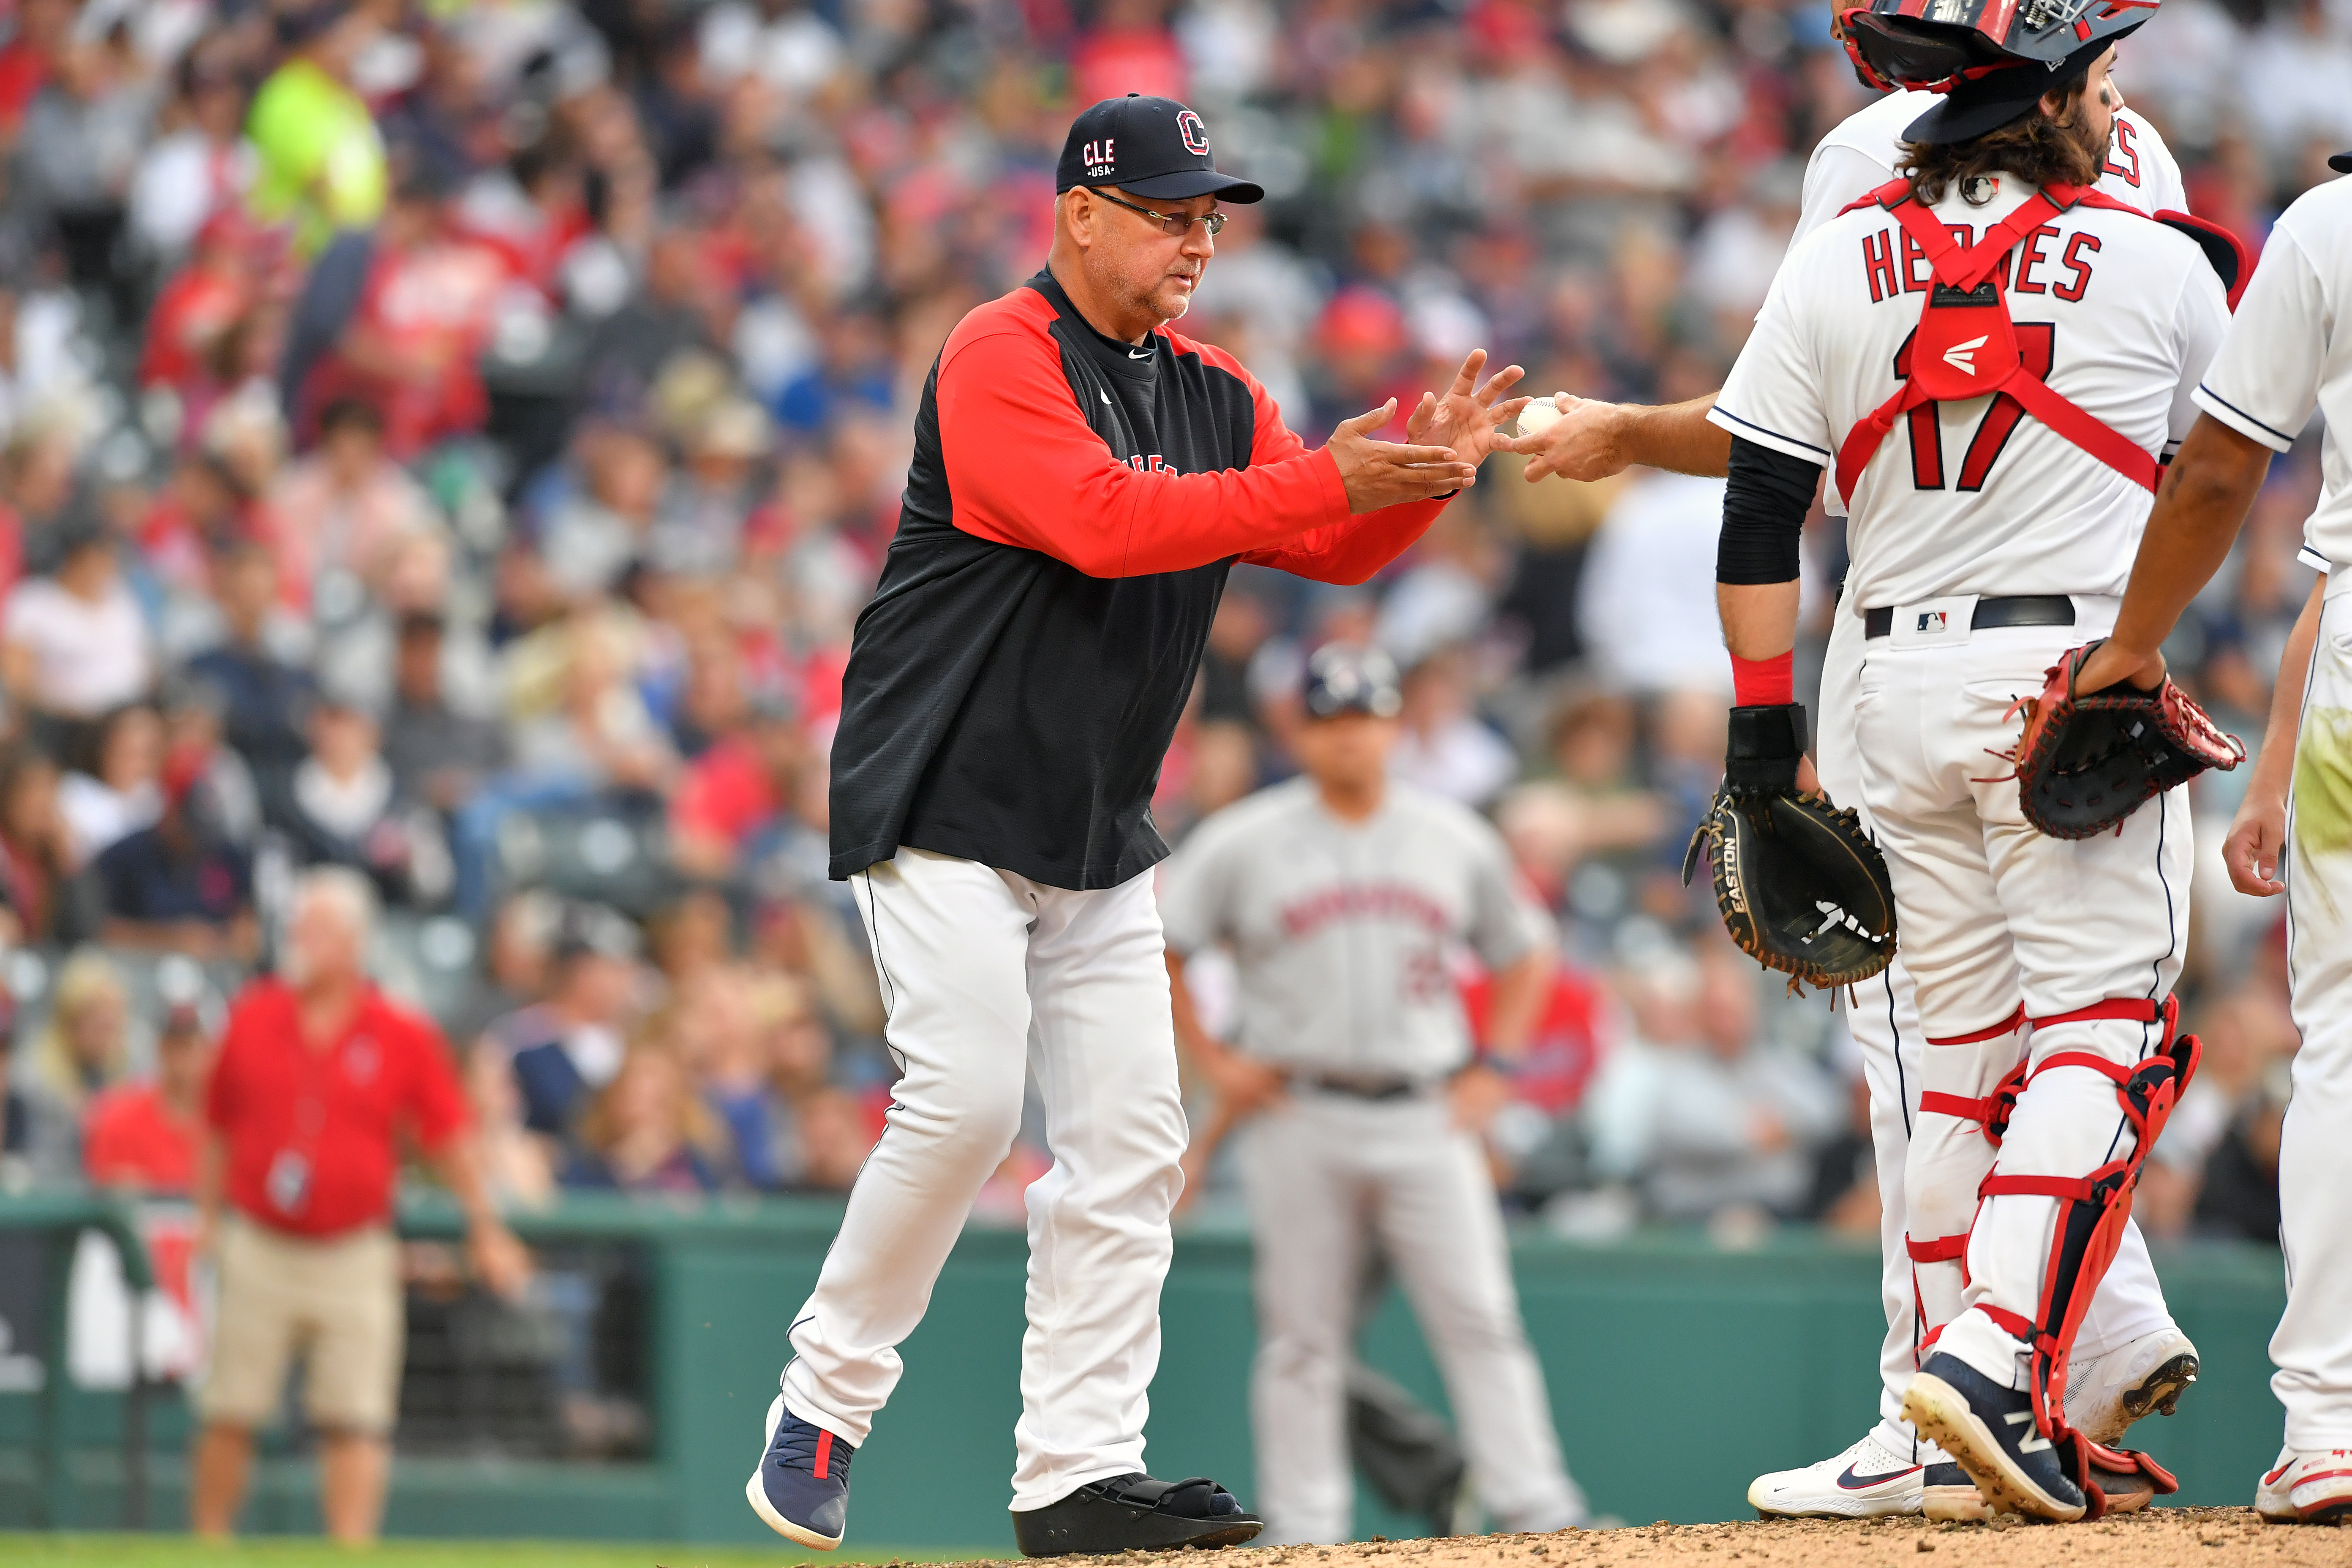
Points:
(1966, 345)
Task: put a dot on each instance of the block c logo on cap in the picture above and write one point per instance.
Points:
(1195, 134)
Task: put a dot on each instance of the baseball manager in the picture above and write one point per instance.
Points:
(1083, 480)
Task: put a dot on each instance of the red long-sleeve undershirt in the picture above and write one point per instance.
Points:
(1025, 470)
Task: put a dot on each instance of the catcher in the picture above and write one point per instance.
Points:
(1991, 358)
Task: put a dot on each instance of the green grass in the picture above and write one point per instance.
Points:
(31, 1551)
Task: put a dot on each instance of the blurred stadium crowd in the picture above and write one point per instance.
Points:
(454, 439)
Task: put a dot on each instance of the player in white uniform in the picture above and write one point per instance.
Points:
(1984, 542)
(1344, 897)
(2131, 1358)
(2289, 351)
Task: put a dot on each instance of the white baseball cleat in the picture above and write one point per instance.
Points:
(2312, 1486)
(1866, 1481)
(2106, 1393)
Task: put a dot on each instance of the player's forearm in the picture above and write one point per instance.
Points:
(2206, 494)
(1354, 552)
(1677, 437)
(2274, 768)
(1518, 994)
(1759, 619)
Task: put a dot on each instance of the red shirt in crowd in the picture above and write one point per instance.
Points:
(132, 1139)
(314, 1135)
(1571, 1036)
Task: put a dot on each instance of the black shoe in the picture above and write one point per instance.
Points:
(1989, 1430)
(1135, 1513)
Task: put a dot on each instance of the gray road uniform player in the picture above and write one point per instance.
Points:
(1344, 934)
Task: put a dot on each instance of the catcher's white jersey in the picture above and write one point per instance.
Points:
(2282, 359)
(2119, 313)
(1860, 152)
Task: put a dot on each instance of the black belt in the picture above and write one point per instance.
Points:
(1362, 1085)
(2027, 610)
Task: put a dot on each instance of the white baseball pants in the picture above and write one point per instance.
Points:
(985, 973)
(1996, 915)
(1883, 1019)
(2313, 1346)
(1325, 1173)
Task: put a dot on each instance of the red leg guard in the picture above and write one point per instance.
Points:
(2094, 1209)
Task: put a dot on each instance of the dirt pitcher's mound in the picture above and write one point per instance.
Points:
(2159, 1537)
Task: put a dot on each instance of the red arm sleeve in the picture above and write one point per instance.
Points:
(1348, 552)
(436, 1101)
(220, 1083)
(1026, 470)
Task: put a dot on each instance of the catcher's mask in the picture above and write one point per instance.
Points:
(1936, 44)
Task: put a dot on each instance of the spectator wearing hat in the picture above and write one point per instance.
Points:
(321, 1082)
(73, 643)
(698, 530)
(569, 1046)
(181, 886)
(141, 1136)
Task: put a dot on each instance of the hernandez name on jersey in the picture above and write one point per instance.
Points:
(2118, 315)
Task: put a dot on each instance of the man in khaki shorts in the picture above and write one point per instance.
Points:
(319, 1079)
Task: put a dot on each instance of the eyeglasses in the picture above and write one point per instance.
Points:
(1175, 225)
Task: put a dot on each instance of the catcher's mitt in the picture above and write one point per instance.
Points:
(1802, 891)
(2084, 763)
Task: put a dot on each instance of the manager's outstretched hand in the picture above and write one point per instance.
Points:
(1468, 418)
(1382, 473)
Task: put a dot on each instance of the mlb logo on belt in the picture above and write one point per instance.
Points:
(1944, 621)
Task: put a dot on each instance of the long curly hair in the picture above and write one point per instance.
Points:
(2039, 148)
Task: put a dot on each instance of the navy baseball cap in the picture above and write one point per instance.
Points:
(1345, 680)
(1147, 147)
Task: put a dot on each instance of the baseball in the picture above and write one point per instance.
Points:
(1540, 415)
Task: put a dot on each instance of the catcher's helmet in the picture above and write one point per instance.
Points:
(1936, 44)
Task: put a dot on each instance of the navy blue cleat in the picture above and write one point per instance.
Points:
(1946, 1493)
(801, 1489)
(1989, 1430)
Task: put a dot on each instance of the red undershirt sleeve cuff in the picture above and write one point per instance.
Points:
(1334, 489)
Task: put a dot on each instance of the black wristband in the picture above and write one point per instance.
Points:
(1766, 743)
